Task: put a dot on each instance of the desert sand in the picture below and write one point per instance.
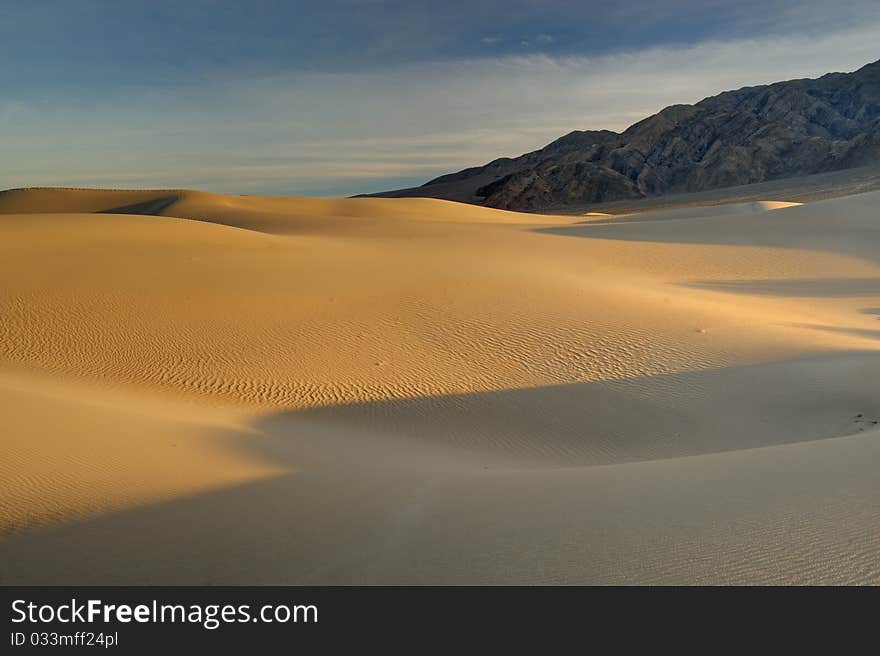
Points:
(208, 389)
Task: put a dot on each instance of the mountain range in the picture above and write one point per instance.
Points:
(754, 134)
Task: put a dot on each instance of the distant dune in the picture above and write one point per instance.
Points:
(208, 389)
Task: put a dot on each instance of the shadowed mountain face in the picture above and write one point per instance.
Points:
(754, 134)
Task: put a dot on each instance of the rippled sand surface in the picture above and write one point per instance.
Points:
(197, 388)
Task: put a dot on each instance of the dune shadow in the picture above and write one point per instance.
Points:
(849, 229)
(446, 488)
(840, 330)
(805, 288)
(616, 421)
(236, 534)
(623, 219)
(150, 207)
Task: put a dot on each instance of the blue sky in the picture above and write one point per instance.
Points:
(333, 98)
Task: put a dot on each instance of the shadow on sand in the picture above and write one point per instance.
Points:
(803, 288)
(491, 488)
(826, 226)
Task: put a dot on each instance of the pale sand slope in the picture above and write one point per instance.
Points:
(415, 391)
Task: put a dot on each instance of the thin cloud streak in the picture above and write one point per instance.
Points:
(332, 131)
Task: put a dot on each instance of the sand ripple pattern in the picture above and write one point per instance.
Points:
(417, 391)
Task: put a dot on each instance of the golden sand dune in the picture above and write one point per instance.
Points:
(291, 390)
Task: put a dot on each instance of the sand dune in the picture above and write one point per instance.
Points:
(700, 211)
(235, 389)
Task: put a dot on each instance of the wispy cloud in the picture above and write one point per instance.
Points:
(335, 132)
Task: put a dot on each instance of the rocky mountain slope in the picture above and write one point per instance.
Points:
(754, 134)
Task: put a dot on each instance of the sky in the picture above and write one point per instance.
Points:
(333, 97)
